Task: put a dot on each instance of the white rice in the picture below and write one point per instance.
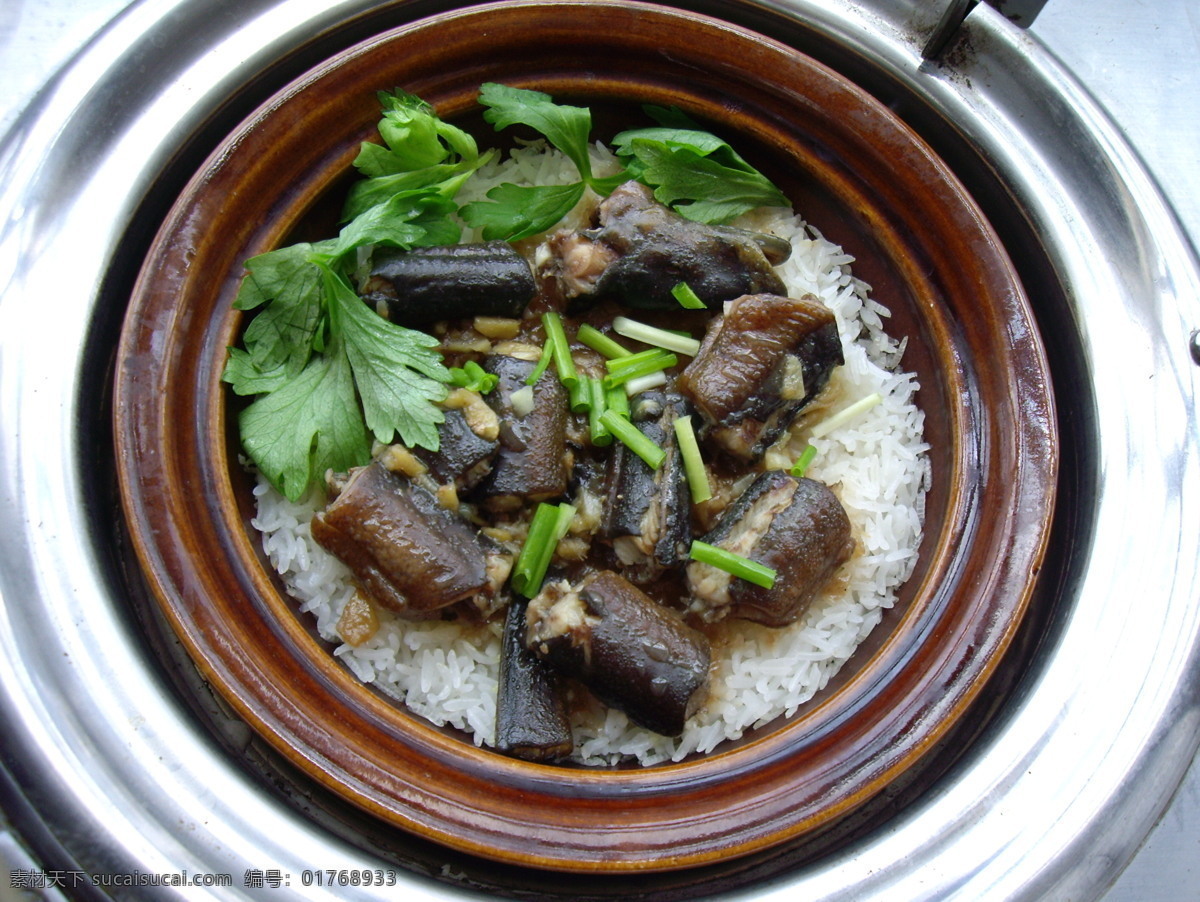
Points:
(877, 465)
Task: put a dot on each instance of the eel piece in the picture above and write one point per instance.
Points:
(408, 553)
(648, 512)
(641, 249)
(463, 457)
(428, 284)
(762, 360)
(797, 527)
(530, 464)
(632, 653)
(531, 709)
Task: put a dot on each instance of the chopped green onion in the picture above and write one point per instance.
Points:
(579, 396)
(641, 383)
(599, 433)
(693, 463)
(550, 523)
(846, 415)
(801, 465)
(623, 369)
(557, 339)
(633, 438)
(542, 364)
(473, 377)
(650, 355)
(687, 298)
(616, 400)
(652, 335)
(743, 567)
(601, 343)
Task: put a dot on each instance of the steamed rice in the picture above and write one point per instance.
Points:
(877, 465)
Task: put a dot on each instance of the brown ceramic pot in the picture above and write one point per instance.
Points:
(854, 170)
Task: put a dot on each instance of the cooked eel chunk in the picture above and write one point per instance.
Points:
(531, 709)
(642, 249)
(761, 361)
(463, 457)
(531, 463)
(407, 552)
(797, 527)
(648, 512)
(427, 284)
(631, 652)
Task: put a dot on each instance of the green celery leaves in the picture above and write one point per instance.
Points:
(697, 174)
(518, 211)
(307, 425)
(692, 171)
(393, 368)
(319, 401)
(514, 212)
(565, 127)
(326, 372)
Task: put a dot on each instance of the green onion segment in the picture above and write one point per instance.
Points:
(601, 343)
(800, 467)
(652, 335)
(556, 337)
(579, 395)
(598, 432)
(693, 463)
(616, 400)
(644, 363)
(474, 377)
(550, 523)
(542, 364)
(641, 383)
(743, 567)
(633, 438)
(687, 298)
(846, 415)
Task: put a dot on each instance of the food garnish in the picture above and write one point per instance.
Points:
(601, 342)
(693, 462)
(550, 523)
(692, 171)
(687, 297)
(679, 342)
(749, 570)
(800, 467)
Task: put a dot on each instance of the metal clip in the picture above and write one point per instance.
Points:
(1019, 12)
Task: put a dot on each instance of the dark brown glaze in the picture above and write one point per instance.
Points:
(855, 170)
(428, 284)
(647, 513)
(631, 652)
(531, 463)
(797, 527)
(761, 361)
(642, 249)
(531, 709)
(408, 553)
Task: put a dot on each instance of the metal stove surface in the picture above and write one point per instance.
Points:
(1140, 60)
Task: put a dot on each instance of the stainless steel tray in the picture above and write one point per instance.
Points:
(118, 761)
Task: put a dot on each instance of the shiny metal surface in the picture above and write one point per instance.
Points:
(116, 763)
